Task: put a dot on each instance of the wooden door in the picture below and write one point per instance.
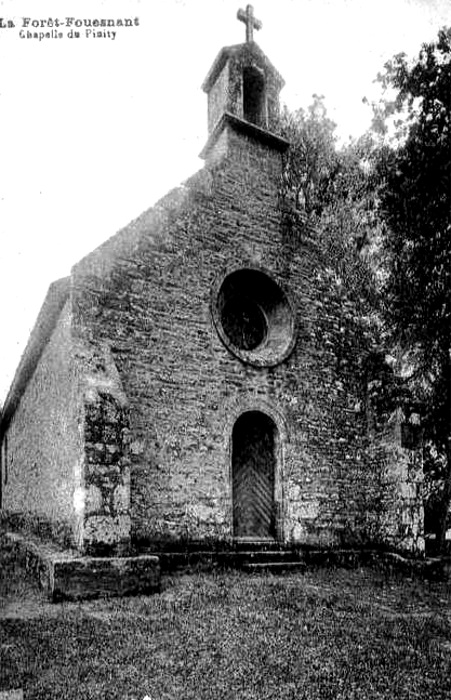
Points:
(253, 467)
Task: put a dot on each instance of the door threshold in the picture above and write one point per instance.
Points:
(254, 539)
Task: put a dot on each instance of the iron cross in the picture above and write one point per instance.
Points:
(250, 21)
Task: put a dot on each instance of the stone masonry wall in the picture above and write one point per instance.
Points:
(105, 496)
(44, 444)
(402, 512)
(234, 86)
(217, 98)
(146, 295)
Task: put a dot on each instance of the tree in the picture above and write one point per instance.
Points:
(334, 191)
(416, 205)
(313, 163)
(334, 196)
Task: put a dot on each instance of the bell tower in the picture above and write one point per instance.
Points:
(243, 94)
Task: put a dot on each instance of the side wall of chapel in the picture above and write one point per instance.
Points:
(42, 451)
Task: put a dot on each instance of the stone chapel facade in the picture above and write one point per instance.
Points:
(177, 387)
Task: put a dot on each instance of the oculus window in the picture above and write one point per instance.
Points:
(254, 317)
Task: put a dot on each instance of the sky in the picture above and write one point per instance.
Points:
(94, 130)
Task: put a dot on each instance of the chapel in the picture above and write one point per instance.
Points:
(181, 386)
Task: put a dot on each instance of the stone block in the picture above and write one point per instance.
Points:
(106, 530)
(63, 574)
(121, 499)
(93, 577)
(93, 499)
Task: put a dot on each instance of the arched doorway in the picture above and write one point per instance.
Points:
(253, 476)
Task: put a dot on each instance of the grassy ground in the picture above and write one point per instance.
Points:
(329, 634)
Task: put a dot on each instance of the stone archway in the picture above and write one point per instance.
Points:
(254, 438)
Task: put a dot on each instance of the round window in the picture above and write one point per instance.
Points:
(244, 322)
(254, 317)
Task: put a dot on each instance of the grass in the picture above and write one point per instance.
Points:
(327, 634)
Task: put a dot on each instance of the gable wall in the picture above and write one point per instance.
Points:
(186, 389)
(44, 450)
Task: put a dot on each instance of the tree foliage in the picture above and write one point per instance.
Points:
(416, 204)
(333, 189)
(380, 208)
(313, 164)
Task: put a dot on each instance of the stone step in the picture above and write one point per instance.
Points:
(248, 544)
(266, 556)
(171, 561)
(273, 567)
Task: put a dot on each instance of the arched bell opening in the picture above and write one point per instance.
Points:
(254, 96)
